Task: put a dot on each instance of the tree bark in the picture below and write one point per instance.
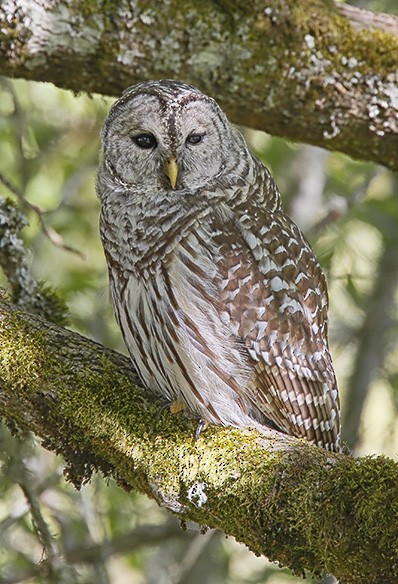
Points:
(297, 504)
(300, 70)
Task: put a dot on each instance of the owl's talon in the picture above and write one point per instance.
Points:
(162, 408)
(174, 407)
(201, 426)
(177, 406)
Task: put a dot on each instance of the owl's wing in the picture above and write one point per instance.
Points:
(273, 296)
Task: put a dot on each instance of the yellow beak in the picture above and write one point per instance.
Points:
(172, 171)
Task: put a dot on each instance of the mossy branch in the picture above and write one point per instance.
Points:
(297, 504)
(302, 70)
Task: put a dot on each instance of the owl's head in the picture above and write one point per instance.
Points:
(166, 135)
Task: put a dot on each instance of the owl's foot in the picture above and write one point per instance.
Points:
(176, 407)
(201, 426)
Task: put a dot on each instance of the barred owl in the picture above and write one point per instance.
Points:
(219, 297)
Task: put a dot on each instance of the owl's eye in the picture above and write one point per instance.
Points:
(145, 141)
(194, 138)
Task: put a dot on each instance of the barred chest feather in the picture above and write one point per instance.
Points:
(172, 324)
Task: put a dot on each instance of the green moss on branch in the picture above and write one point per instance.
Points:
(297, 504)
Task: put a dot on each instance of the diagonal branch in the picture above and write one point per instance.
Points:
(379, 321)
(301, 70)
(293, 502)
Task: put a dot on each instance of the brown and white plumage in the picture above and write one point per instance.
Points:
(221, 302)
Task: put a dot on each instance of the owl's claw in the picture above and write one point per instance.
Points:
(201, 426)
(174, 407)
(162, 408)
(177, 406)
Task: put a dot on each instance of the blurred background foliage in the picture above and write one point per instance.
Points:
(49, 141)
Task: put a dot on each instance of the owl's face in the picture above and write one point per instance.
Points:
(166, 135)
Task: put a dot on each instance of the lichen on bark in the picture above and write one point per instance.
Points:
(295, 69)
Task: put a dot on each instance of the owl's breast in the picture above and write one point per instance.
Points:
(141, 241)
(174, 332)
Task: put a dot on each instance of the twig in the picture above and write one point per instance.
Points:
(46, 539)
(49, 232)
(128, 542)
(14, 260)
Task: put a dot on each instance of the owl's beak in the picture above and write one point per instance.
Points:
(172, 171)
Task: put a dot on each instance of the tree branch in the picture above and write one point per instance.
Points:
(295, 69)
(143, 535)
(297, 504)
(380, 319)
(363, 18)
(14, 260)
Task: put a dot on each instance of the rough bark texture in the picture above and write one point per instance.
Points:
(295, 503)
(295, 69)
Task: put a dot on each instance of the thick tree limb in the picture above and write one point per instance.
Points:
(295, 69)
(293, 502)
